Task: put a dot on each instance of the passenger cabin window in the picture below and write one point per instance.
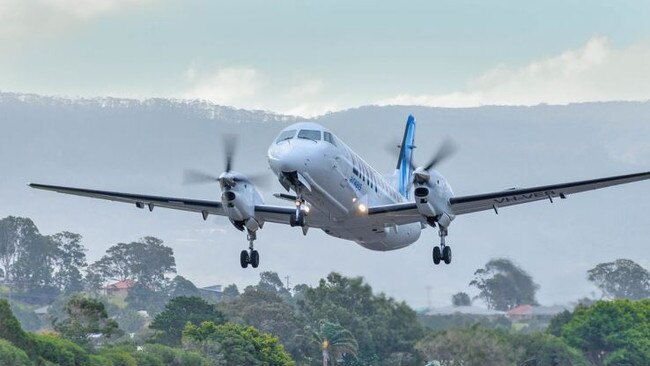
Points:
(329, 138)
(309, 135)
(286, 135)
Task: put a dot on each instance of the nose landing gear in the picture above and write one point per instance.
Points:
(298, 218)
(442, 252)
(250, 256)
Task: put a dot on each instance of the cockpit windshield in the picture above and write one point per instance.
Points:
(285, 135)
(314, 135)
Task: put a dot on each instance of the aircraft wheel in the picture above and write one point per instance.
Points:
(255, 259)
(244, 259)
(436, 255)
(446, 255)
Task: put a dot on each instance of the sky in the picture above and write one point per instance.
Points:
(309, 57)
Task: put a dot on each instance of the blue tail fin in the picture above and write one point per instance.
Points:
(405, 157)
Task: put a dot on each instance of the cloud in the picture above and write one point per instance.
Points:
(229, 86)
(595, 72)
(246, 87)
(20, 18)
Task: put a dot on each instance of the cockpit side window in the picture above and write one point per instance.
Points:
(286, 135)
(329, 138)
(309, 135)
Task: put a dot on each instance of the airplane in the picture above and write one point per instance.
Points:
(333, 189)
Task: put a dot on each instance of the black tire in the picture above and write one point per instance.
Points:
(436, 255)
(446, 255)
(244, 259)
(292, 220)
(255, 259)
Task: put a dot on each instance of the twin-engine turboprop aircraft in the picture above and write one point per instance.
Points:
(338, 192)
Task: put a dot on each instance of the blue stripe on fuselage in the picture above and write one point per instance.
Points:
(406, 155)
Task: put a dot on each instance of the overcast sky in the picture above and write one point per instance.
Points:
(307, 57)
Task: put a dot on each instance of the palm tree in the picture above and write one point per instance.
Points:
(333, 340)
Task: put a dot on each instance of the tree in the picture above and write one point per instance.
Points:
(142, 297)
(71, 259)
(34, 268)
(270, 313)
(621, 279)
(180, 286)
(85, 316)
(11, 355)
(541, 349)
(381, 325)
(461, 299)
(333, 341)
(611, 332)
(10, 328)
(146, 261)
(14, 233)
(474, 346)
(230, 292)
(235, 345)
(503, 285)
(182, 310)
(270, 281)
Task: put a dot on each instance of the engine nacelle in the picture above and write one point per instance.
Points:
(240, 208)
(432, 204)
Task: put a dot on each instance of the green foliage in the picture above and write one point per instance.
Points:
(180, 311)
(381, 325)
(503, 285)
(174, 356)
(10, 328)
(611, 332)
(70, 260)
(268, 312)
(540, 349)
(11, 355)
(119, 356)
(230, 292)
(461, 299)
(474, 346)
(141, 297)
(558, 321)
(146, 261)
(334, 341)
(15, 232)
(59, 351)
(180, 286)
(621, 279)
(235, 345)
(458, 320)
(85, 316)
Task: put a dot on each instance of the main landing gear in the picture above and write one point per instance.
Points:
(250, 256)
(442, 252)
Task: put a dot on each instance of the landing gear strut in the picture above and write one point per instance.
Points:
(442, 252)
(250, 256)
(298, 218)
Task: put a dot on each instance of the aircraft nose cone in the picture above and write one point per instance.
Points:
(285, 158)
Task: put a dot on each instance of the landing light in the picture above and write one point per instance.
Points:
(362, 208)
(307, 209)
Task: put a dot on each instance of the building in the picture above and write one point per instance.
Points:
(119, 288)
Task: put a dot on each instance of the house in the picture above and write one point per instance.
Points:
(119, 288)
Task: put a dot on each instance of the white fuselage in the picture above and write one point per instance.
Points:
(338, 187)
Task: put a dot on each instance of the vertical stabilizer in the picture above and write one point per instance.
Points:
(406, 157)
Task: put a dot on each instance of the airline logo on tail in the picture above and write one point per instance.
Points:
(404, 164)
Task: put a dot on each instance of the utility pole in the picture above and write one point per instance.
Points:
(288, 284)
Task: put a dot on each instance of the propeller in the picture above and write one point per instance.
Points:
(421, 174)
(194, 176)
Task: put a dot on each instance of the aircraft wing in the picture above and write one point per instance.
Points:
(496, 200)
(397, 213)
(267, 213)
